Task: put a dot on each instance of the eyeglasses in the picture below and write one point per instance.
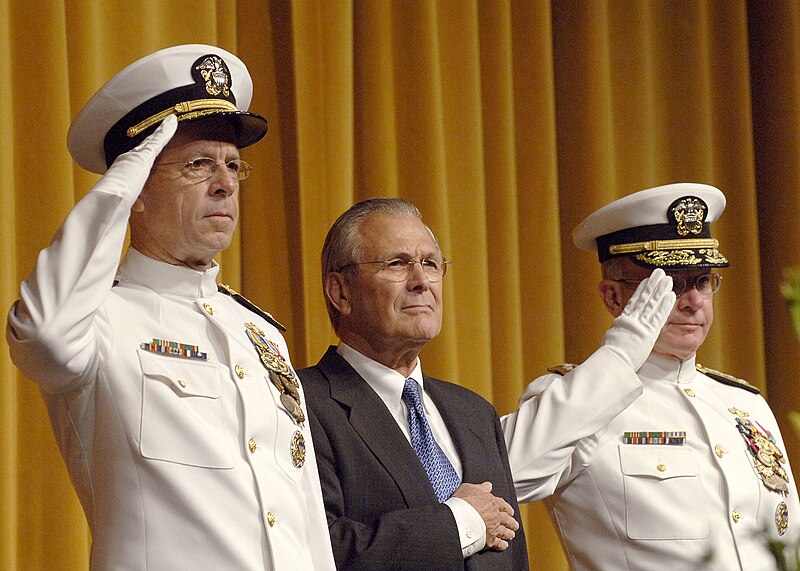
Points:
(203, 168)
(706, 284)
(398, 269)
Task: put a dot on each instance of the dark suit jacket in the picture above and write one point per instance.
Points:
(381, 508)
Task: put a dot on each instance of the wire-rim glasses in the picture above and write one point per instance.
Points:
(398, 269)
(706, 284)
(203, 168)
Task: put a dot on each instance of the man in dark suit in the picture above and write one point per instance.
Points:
(394, 446)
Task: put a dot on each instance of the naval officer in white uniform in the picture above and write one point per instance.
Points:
(173, 402)
(645, 459)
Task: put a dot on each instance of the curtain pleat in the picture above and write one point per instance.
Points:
(505, 122)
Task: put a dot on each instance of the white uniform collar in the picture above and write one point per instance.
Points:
(660, 368)
(166, 278)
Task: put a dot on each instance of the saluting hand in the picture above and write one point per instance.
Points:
(127, 175)
(633, 334)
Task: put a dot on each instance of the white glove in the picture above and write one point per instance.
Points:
(127, 175)
(633, 334)
(51, 331)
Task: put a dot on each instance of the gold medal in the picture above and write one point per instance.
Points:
(291, 390)
(276, 378)
(293, 407)
(767, 457)
(280, 374)
(297, 447)
(782, 518)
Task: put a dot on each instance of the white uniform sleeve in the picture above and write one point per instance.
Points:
(552, 434)
(51, 329)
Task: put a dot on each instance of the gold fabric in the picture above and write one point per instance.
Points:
(505, 121)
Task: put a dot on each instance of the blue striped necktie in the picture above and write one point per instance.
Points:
(440, 471)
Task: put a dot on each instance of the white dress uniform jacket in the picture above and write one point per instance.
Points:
(179, 462)
(699, 505)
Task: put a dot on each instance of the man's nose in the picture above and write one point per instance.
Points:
(417, 278)
(690, 298)
(223, 181)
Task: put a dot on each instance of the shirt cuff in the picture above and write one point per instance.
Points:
(471, 529)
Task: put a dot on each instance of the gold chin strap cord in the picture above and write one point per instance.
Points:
(184, 110)
(653, 245)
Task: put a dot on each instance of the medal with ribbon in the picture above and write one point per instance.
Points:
(767, 457)
(280, 374)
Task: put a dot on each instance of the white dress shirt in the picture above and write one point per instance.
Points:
(388, 383)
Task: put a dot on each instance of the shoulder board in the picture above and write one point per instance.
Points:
(726, 379)
(227, 290)
(561, 369)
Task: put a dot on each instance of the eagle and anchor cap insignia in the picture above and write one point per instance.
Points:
(665, 227)
(192, 82)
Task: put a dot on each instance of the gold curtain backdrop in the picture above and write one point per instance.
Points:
(505, 121)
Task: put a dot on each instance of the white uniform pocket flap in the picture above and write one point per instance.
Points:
(189, 377)
(657, 461)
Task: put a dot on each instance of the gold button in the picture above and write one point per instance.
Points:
(208, 308)
(719, 451)
(182, 383)
(239, 371)
(270, 518)
(689, 392)
(252, 444)
(661, 467)
(735, 516)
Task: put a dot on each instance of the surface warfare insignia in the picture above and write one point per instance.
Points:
(767, 457)
(298, 449)
(280, 374)
(215, 74)
(688, 214)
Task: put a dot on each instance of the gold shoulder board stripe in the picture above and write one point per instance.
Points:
(227, 290)
(561, 369)
(726, 379)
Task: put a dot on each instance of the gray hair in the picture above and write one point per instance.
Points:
(617, 268)
(343, 247)
(614, 268)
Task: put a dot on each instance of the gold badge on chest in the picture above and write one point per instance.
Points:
(280, 374)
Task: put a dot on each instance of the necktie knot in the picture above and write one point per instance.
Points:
(411, 393)
(440, 471)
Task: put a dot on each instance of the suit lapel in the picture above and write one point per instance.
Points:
(375, 425)
(468, 438)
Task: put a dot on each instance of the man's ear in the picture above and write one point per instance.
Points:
(338, 292)
(611, 294)
(138, 205)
